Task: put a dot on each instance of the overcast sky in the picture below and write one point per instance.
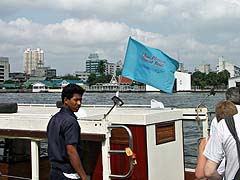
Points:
(191, 31)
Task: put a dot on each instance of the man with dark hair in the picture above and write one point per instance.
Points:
(63, 131)
(233, 95)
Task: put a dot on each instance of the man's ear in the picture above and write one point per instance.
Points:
(65, 100)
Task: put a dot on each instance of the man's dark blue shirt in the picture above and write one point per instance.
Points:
(63, 129)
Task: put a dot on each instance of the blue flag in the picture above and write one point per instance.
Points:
(149, 66)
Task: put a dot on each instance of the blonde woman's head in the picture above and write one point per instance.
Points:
(224, 109)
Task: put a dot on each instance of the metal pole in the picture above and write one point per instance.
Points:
(35, 160)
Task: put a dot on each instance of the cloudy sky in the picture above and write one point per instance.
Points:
(192, 31)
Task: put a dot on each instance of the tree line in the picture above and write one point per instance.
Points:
(199, 80)
(212, 79)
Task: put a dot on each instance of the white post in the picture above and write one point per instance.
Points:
(117, 93)
(105, 155)
(35, 160)
(205, 127)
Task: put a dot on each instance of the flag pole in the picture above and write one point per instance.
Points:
(117, 92)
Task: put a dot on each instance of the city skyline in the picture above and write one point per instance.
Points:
(193, 32)
(212, 67)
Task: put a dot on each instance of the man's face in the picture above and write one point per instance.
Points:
(74, 103)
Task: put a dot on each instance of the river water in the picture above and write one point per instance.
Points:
(180, 99)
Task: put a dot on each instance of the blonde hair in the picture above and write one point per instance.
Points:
(224, 109)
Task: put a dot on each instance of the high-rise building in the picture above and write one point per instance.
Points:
(223, 64)
(92, 63)
(33, 59)
(204, 68)
(113, 68)
(4, 69)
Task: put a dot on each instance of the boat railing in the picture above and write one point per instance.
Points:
(87, 105)
(199, 115)
(131, 160)
(193, 130)
(38, 105)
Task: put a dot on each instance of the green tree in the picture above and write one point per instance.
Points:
(101, 67)
(92, 79)
(9, 82)
(108, 78)
(69, 77)
(223, 77)
(199, 79)
(104, 78)
(212, 79)
(118, 72)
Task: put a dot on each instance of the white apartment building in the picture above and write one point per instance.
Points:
(112, 68)
(83, 76)
(234, 82)
(231, 68)
(119, 66)
(4, 69)
(33, 59)
(183, 81)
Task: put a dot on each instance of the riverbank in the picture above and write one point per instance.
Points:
(89, 91)
(15, 90)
